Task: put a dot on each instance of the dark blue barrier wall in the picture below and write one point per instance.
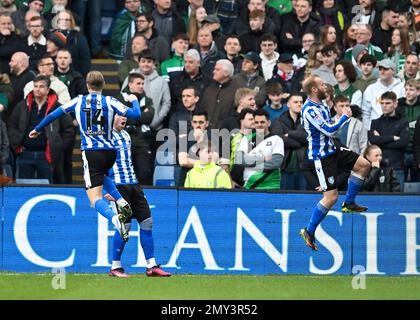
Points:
(203, 232)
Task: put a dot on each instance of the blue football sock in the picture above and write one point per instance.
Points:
(110, 187)
(118, 245)
(355, 184)
(146, 241)
(318, 215)
(103, 208)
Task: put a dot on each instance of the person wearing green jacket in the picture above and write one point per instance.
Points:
(124, 28)
(205, 172)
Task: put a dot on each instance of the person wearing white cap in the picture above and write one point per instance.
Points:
(371, 106)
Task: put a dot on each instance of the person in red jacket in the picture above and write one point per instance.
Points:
(40, 158)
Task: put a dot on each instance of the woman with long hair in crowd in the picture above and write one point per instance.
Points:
(77, 43)
(314, 59)
(194, 24)
(328, 36)
(400, 47)
(350, 36)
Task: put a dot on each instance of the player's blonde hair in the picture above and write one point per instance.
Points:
(95, 80)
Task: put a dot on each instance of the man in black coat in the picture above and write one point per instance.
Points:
(296, 24)
(140, 132)
(390, 133)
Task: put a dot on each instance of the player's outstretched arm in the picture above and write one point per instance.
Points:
(57, 113)
(316, 119)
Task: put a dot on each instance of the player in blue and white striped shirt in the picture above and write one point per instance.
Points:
(123, 175)
(317, 122)
(95, 116)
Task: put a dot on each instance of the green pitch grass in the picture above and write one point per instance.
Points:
(191, 287)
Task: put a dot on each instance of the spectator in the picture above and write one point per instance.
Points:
(400, 48)
(345, 74)
(368, 14)
(250, 40)
(328, 37)
(46, 68)
(212, 22)
(8, 7)
(42, 157)
(227, 12)
(331, 15)
(209, 53)
(24, 14)
(92, 29)
(140, 131)
(156, 43)
(409, 109)
(350, 36)
(6, 94)
(138, 44)
(168, 22)
(190, 76)
(51, 16)
(411, 68)
(272, 18)
(244, 99)
(352, 134)
(268, 55)
(218, 97)
(176, 63)
(35, 44)
(390, 133)
(382, 33)
(326, 70)
(289, 128)
(381, 178)
(55, 42)
(249, 77)
(20, 75)
(363, 37)
(155, 88)
(275, 107)
(261, 154)
(233, 48)
(296, 24)
(300, 59)
(187, 152)
(195, 23)
(76, 42)
(9, 42)
(246, 120)
(123, 28)
(368, 64)
(205, 172)
(76, 85)
(371, 105)
(284, 73)
(73, 80)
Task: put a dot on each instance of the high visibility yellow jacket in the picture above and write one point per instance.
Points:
(207, 176)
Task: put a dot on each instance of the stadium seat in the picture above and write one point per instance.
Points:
(411, 186)
(32, 181)
(164, 176)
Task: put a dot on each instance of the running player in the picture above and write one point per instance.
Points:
(316, 120)
(95, 116)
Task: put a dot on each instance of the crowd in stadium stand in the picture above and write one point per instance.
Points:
(235, 66)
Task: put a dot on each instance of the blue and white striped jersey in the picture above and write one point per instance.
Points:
(123, 171)
(95, 116)
(316, 119)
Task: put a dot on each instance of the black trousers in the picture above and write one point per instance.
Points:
(143, 163)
